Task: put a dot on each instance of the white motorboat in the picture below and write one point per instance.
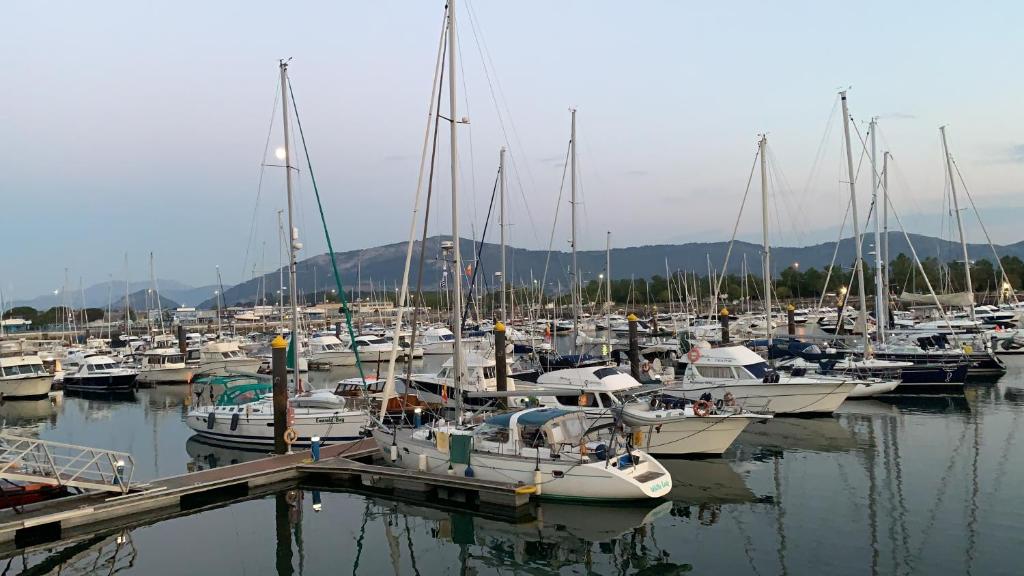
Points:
(479, 375)
(330, 349)
(754, 385)
(665, 426)
(545, 450)
(22, 374)
(98, 373)
(224, 358)
(164, 366)
(438, 340)
(376, 349)
(243, 414)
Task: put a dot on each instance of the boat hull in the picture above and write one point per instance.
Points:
(870, 389)
(100, 384)
(228, 367)
(31, 387)
(258, 429)
(689, 436)
(165, 376)
(781, 398)
(560, 480)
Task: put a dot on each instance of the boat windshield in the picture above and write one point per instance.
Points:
(101, 367)
(757, 370)
(22, 370)
(232, 354)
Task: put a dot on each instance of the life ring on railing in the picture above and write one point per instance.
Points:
(290, 436)
(701, 408)
(693, 355)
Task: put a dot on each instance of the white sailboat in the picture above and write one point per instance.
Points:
(544, 450)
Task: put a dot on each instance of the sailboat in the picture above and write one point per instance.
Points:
(735, 374)
(244, 411)
(547, 451)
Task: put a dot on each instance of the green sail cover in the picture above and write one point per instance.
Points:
(291, 353)
(459, 448)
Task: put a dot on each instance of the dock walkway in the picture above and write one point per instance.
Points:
(92, 513)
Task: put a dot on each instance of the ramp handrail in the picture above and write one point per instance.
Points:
(48, 462)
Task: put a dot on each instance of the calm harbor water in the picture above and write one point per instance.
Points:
(907, 485)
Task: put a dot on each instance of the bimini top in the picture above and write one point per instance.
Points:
(531, 417)
(595, 378)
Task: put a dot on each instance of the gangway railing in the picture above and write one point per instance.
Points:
(46, 462)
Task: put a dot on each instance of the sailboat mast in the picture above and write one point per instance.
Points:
(885, 240)
(293, 233)
(766, 265)
(959, 223)
(501, 170)
(456, 252)
(861, 314)
(879, 280)
(608, 289)
(280, 262)
(575, 269)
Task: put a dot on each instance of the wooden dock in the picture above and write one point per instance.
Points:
(339, 468)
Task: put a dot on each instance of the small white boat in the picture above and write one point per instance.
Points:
(739, 371)
(223, 359)
(244, 414)
(330, 349)
(544, 450)
(22, 374)
(164, 366)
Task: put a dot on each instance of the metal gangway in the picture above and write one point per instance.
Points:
(45, 462)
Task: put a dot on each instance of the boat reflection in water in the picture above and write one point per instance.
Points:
(103, 554)
(26, 413)
(204, 455)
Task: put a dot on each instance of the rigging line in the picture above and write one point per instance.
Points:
(259, 182)
(819, 154)
(835, 253)
(479, 251)
(488, 63)
(983, 229)
(469, 130)
(554, 225)
(736, 226)
(330, 247)
(432, 118)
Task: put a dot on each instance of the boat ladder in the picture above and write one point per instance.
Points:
(45, 462)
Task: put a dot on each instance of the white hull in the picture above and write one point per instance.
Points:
(869, 389)
(227, 367)
(30, 387)
(335, 358)
(165, 376)
(257, 428)
(781, 398)
(587, 481)
(692, 435)
(438, 348)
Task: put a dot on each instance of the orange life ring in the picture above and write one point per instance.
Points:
(701, 408)
(693, 355)
(290, 436)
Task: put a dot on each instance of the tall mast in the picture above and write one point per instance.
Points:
(766, 265)
(220, 295)
(575, 270)
(879, 280)
(862, 313)
(885, 239)
(156, 291)
(127, 300)
(608, 288)
(501, 171)
(293, 234)
(280, 262)
(959, 222)
(456, 252)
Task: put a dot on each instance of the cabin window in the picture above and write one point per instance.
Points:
(605, 372)
(757, 370)
(606, 400)
(153, 360)
(585, 399)
(715, 371)
(490, 372)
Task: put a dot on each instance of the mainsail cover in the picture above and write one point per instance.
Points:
(954, 299)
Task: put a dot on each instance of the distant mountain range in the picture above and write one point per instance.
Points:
(172, 293)
(380, 268)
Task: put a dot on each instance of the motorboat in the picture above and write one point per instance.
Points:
(22, 374)
(99, 373)
(711, 373)
(438, 340)
(479, 375)
(329, 349)
(164, 366)
(243, 414)
(544, 450)
(663, 425)
(224, 358)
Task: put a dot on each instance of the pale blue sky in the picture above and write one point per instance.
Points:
(140, 126)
